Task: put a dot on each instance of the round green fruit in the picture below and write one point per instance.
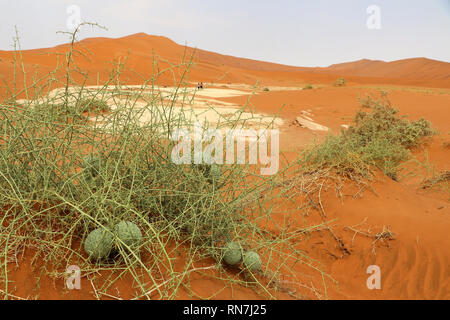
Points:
(232, 254)
(128, 233)
(99, 243)
(252, 261)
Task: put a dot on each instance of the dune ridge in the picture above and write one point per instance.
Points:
(140, 50)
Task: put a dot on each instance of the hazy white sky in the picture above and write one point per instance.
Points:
(294, 32)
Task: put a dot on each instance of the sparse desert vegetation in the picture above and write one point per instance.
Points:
(340, 82)
(378, 138)
(87, 179)
(108, 197)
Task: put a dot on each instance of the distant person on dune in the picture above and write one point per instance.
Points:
(200, 85)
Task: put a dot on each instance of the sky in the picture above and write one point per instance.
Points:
(293, 32)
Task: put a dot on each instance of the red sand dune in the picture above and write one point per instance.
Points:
(416, 264)
(141, 50)
(415, 68)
